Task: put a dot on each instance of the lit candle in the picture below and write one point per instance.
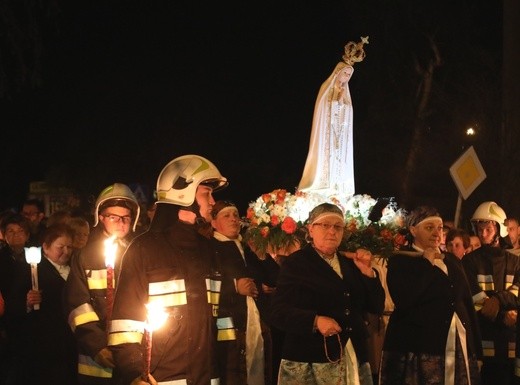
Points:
(155, 319)
(110, 256)
(33, 256)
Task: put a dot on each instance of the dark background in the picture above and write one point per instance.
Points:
(95, 92)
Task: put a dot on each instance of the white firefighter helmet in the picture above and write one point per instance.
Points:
(179, 179)
(490, 211)
(117, 194)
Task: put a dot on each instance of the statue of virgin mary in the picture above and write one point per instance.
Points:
(329, 169)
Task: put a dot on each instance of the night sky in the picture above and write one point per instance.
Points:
(128, 86)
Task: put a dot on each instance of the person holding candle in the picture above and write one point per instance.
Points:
(88, 291)
(173, 266)
(46, 351)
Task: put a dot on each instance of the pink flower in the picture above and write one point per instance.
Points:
(289, 225)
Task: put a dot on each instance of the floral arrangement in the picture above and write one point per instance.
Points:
(381, 236)
(275, 221)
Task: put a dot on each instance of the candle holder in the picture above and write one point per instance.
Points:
(33, 256)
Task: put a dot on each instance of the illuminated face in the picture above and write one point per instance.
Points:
(227, 222)
(204, 197)
(474, 242)
(15, 235)
(60, 250)
(486, 232)
(428, 234)
(326, 233)
(81, 235)
(345, 74)
(116, 221)
(456, 247)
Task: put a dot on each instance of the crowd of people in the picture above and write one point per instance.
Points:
(441, 310)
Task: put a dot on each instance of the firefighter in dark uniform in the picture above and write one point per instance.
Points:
(115, 215)
(172, 265)
(493, 274)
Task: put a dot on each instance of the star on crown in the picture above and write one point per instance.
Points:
(354, 52)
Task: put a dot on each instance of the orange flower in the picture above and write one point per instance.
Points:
(264, 231)
(266, 198)
(289, 225)
(386, 234)
(250, 213)
(280, 196)
(275, 220)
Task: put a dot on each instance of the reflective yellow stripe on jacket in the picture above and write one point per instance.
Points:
(485, 282)
(167, 293)
(96, 279)
(81, 315)
(125, 332)
(226, 329)
(88, 367)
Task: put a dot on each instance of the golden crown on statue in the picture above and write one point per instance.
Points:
(354, 52)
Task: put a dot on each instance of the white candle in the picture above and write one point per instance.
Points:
(33, 256)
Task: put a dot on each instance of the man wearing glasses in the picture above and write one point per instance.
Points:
(115, 216)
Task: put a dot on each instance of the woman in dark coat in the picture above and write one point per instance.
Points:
(319, 303)
(432, 336)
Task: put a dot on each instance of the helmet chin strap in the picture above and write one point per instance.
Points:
(203, 226)
(195, 208)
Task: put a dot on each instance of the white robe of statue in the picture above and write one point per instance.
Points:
(329, 169)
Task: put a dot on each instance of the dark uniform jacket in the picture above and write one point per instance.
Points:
(85, 302)
(493, 271)
(307, 287)
(172, 266)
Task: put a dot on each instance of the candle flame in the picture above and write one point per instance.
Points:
(110, 251)
(156, 315)
(33, 254)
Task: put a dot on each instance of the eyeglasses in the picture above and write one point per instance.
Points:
(118, 218)
(328, 226)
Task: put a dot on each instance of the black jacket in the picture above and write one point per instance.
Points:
(307, 286)
(172, 265)
(425, 299)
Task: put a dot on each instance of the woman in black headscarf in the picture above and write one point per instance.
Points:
(433, 335)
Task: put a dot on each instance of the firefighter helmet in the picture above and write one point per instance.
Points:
(490, 211)
(179, 179)
(117, 194)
